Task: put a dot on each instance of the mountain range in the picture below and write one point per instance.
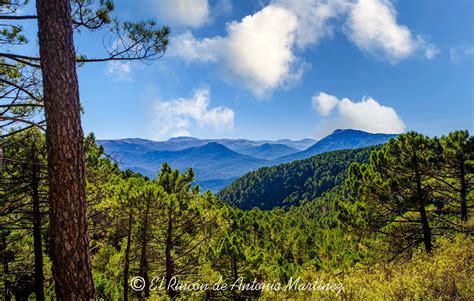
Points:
(218, 162)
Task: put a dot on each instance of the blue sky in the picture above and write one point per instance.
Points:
(287, 69)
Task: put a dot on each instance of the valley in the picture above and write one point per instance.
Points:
(218, 162)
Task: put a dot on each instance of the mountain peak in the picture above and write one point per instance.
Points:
(340, 139)
(338, 131)
(353, 131)
(214, 145)
(182, 139)
(214, 148)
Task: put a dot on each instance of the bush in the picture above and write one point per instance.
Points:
(444, 275)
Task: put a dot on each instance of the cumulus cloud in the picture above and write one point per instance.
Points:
(257, 51)
(187, 47)
(119, 70)
(367, 115)
(187, 13)
(313, 18)
(177, 117)
(324, 103)
(372, 26)
(260, 52)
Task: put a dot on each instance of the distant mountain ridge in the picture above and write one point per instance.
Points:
(180, 143)
(218, 162)
(339, 139)
(270, 151)
(212, 161)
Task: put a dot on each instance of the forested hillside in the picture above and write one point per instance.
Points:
(288, 184)
(396, 225)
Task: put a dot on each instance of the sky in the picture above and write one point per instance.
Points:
(273, 69)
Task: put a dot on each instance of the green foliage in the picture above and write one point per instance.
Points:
(12, 33)
(454, 180)
(397, 194)
(105, 288)
(293, 182)
(335, 232)
(23, 208)
(445, 275)
(85, 13)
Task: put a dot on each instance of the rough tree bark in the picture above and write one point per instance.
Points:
(72, 270)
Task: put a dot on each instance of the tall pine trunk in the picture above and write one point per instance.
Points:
(169, 257)
(462, 177)
(37, 240)
(72, 270)
(235, 274)
(425, 226)
(143, 271)
(6, 273)
(127, 256)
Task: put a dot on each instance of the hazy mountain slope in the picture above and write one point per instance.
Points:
(269, 151)
(214, 164)
(215, 161)
(261, 149)
(144, 145)
(298, 144)
(339, 139)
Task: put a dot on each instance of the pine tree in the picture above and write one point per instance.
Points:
(184, 225)
(394, 189)
(58, 61)
(23, 208)
(456, 175)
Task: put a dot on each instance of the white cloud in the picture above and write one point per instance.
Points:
(324, 103)
(431, 51)
(119, 70)
(459, 53)
(177, 117)
(313, 18)
(367, 115)
(257, 51)
(373, 27)
(260, 52)
(187, 47)
(188, 13)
